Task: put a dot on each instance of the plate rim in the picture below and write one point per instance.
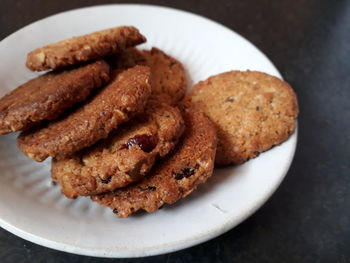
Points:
(166, 247)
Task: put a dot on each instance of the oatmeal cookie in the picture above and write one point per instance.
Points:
(124, 157)
(47, 96)
(173, 178)
(252, 111)
(118, 102)
(84, 48)
(168, 76)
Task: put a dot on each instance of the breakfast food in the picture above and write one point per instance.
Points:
(118, 102)
(124, 157)
(252, 111)
(84, 48)
(168, 78)
(47, 96)
(176, 177)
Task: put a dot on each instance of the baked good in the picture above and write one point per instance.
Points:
(252, 111)
(168, 76)
(47, 96)
(124, 157)
(84, 48)
(177, 176)
(118, 102)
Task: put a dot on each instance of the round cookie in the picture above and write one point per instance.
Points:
(168, 76)
(119, 101)
(252, 111)
(124, 157)
(47, 96)
(176, 177)
(84, 48)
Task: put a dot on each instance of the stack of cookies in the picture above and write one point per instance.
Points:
(119, 128)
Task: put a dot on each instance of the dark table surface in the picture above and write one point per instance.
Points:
(308, 218)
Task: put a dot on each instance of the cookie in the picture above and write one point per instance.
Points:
(119, 101)
(47, 96)
(124, 157)
(84, 48)
(176, 177)
(252, 111)
(168, 76)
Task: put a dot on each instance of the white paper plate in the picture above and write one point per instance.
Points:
(33, 209)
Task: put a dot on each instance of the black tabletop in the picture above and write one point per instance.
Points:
(308, 218)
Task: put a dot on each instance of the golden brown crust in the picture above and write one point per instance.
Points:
(176, 177)
(252, 111)
(168, 76)
(125, 96)
(124, 157)
(84, 48)
(47, 96)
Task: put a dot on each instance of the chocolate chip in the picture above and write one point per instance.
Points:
(146, 142)
(257, 108)
(115, 211)
(172, 64)
(106, 181)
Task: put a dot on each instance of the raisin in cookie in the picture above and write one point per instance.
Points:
(124, 157)
(177, 176)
